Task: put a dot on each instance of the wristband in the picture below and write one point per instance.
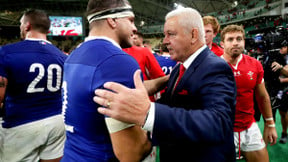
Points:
(271, 125)
(269, 119)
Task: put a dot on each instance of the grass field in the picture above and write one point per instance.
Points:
(277, 152)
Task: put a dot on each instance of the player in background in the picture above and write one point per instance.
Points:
(248, 73)
(164, 60)
(149, 66)
(212, 27)
(30, 87)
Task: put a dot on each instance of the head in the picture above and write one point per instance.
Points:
(34, 20)
(212, 27)
(163, 49)
(138, 39)
(233, 40)
(184, 33)
(114, 17)
(284, 48)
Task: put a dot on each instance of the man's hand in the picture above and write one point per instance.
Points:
(276, 66)
(270, 135)
(122, 103)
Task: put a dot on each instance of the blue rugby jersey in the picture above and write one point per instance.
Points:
(88, 67)
(33, 68)
(166, 63)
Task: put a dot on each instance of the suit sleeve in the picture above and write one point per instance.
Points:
(209, 116)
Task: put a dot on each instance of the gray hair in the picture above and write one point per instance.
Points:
(189, 18)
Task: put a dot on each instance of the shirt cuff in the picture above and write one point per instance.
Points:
(149, 123)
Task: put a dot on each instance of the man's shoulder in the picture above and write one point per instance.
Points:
(93, 53)
(12, 46)
(213, 58)
(217, 49)
(250, 59)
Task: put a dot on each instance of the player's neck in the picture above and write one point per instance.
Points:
(36, 35)
(102, 32)
(232, 59)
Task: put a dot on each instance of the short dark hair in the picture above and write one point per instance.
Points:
(38, 19)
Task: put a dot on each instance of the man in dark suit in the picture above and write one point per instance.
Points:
(193, 120)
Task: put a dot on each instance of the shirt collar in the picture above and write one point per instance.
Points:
(35, 39)
(103, 37)
(190, 59)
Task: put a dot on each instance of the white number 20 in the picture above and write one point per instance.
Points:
(51, 68)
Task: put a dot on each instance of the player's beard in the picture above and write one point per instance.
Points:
(236, 53)
(125, 42)
(22, 35)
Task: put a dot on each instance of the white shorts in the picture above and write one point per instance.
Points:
(42, 139)
(250, 139)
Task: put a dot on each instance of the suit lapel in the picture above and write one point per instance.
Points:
(189, 72)
(173, 77)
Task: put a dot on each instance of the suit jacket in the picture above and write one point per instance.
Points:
(195, 122)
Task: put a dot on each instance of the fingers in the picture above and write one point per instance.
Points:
(276, 66)
(115, 87)
(272, 141)
(102, 95)
(137, 80)
(105, 111)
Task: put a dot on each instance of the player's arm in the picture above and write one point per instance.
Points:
(283, 80)
(263, 100)
(153, 67)
(154, 85)
(284, 70)
(3, 85)
(129, 141)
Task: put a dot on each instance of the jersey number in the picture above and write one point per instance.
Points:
(167, 70)
(53, 68)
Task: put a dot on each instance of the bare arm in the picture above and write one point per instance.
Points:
(129, 141)
(3, 85)
(283, 69)
(130, 144)
(154, 85)
(263, 100)
(283, 80)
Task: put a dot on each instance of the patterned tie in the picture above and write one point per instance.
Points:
(181, 72)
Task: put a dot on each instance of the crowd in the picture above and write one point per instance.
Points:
(115, 99)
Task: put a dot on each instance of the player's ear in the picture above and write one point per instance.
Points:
(111, 22)
(222, 44)
(28, 26)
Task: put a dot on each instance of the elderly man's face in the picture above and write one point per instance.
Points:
(177, 39)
